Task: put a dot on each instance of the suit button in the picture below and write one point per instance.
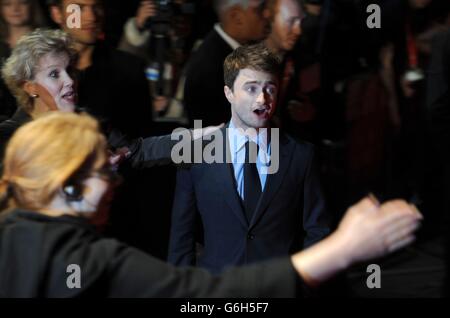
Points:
(250, 236)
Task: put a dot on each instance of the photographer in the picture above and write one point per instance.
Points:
(136, 36)
(158, 34)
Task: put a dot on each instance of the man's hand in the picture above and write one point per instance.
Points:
(116, 158)
(146, 10)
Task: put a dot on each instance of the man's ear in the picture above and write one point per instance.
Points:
(57, 15)
(228, 94)
(30, 88)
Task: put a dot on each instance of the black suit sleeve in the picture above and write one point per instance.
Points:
(135, 274)
(153, 151)
(150, 151)
(316, 219)
(184, 214)
(113, 269)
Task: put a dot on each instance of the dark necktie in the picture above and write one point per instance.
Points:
(252, 184)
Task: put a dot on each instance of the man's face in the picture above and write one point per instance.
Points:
(91, 20)
(253, 98)
(256, 23)
(286, 24)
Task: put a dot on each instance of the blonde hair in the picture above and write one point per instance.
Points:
(21, 65)
(43, 154)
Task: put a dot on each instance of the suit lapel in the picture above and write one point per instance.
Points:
(224, 176)
(274, 180)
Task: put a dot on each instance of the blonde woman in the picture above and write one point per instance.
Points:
(39, 74)
(56, 177)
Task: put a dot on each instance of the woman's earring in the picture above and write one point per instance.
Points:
(34, 95)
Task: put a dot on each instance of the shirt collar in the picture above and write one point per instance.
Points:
(238, 140)
(231, 42)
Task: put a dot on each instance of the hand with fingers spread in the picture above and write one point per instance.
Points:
(368, 230)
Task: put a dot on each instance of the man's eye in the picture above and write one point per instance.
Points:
(251, 89)
(271, 90)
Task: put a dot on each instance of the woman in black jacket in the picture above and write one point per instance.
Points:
(56, 177)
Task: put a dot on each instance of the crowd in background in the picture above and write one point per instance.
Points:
(365, 97)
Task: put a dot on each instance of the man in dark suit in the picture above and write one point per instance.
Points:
(241, 22)
(111, 83)
(252, 207)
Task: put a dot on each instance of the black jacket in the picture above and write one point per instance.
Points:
(36, 252)
(9, 126)
(114, 87)
(7, 101)
(438, 93)
(203, 92)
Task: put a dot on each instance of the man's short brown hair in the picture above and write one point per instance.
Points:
(256, 57)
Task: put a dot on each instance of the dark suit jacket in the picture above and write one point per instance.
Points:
(9, 127)
(7, 101)
(438, 92)
(290, 214)
(114, 87)
(203, 92)
(37, 250)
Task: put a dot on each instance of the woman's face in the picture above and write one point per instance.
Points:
(53, 83)
(94, 194)
(16, 13)
(98, 194)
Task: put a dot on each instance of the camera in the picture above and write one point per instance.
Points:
(166, 10)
